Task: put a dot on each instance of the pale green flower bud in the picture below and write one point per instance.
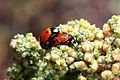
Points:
(116, 68)
(13, 43)
(72, 66)
(108, 58)
(91, 36)
(64, 47)
(94, 65)
(96, 53)
(107, 75)
(100, 35)
(87, 46)
(88, 57)
(30, 38)
(80, 65)
(105, 46)
(116, 54)
(47, 58)
(117, 42)
(58, 62)
(116, 78)
(101, 59)
(98, 44)
(81, 78)
(54, 57)
(62, 62)
(72, 54)
(69, 60)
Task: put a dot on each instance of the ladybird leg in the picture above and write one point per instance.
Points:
(47, 46)
(70, 41)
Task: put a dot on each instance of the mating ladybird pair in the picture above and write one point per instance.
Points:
(52, 37)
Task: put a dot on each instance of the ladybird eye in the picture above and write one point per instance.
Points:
(47, 31)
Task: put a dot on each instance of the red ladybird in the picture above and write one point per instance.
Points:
(60, 38)
(46, 34)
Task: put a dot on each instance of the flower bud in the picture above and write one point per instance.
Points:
(101, 59)
(47, 58)
(80, 65)
(63, 47)
(116, 78)
(58, 62)
(87, 46)
(69, 60)
(116, 54)
(13, 43)
(54, 57)
(69, 30)
(116, 68)
(107, 75)
(62, 62)
(72, 54)
(81, 78)
(88, 57)
(91, 36)
(117, 42)
(94, 65)
(106, 30)
(100, 35)
(98, 44)
(105, 46)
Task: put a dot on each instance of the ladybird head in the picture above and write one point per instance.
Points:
(70, 37)
(55, 30)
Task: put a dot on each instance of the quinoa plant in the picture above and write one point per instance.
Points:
(95, 54)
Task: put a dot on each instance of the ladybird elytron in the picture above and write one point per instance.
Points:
(61, 38)
(46, 34)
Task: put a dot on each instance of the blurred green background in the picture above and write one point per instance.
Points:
(22, 16)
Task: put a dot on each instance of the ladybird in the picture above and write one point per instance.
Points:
(46, 34)
(60, 38)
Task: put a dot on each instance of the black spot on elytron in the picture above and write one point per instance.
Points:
(47, 32)
(53, 41)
